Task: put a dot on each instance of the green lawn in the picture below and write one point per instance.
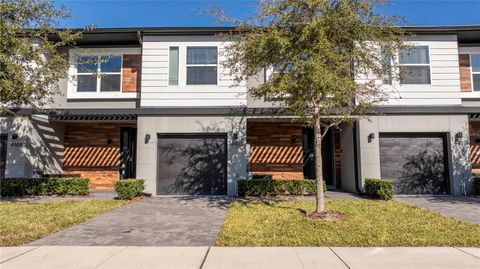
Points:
(366, 223)
(21, 223)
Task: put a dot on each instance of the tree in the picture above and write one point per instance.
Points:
(30, 61)
(329, 58)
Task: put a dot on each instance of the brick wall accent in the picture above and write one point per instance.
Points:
(88, 153)
(465, 75)
(272, 151)
(131, 77)
(475, 145)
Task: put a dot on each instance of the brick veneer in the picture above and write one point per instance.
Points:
(132, 66)
(272, 150)
(475, 146)
(88, 153)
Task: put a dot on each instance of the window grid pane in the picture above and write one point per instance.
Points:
(201, 75)
(86, 83)
(201, 55)
(417, 55)
(173, 66)
(476, 82)
(87, 64)
(415, 74)
(475, 63)
(110, 83)
(110, 64)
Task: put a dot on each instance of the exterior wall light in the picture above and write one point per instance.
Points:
(147, 138)
(458, 136)
(371, 136)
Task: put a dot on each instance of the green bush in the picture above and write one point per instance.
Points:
(476, 185)
(129, 188)
(272, 187)
(379, 188)
(10, 187)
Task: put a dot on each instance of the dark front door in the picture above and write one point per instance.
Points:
(128, 142)
(415, 162)
(3, 155)
(192, 164)
(309, 156)
(308, 141)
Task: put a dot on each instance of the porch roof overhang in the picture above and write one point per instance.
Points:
(93, 117)
(474, 116)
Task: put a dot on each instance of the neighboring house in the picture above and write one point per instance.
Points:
(166, 110)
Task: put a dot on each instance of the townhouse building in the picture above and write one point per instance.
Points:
(165, 109)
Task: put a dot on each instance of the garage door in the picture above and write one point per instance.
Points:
(192, 164)
(415, 162)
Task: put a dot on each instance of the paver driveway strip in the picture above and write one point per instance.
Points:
(464, 208)
(165, 221)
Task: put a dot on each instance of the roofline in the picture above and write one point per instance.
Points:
(225, 29)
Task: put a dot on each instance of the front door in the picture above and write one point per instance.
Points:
(3, 155)
(309, 156)
(128, 141)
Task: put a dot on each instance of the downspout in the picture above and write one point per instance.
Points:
(356, 158)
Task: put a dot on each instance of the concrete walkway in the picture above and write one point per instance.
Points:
(464, 208)
(236, 258)
(165, 221)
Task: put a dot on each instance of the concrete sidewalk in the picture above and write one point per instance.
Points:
(232, 258)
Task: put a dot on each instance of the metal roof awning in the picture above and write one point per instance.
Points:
(93, 117)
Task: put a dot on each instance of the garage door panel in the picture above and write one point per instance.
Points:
(416, 163)
(192, 165)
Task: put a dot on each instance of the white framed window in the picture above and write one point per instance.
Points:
(387, 79)
(202, 65)
(99, 73)
(475, 71)
(414, 65)
(173, 65)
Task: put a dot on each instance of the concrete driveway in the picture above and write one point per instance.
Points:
(166, 221)
(464, 208)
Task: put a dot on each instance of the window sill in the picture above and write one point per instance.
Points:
(473, 95)
(103, 95)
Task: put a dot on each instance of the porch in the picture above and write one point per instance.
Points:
(99, 147)
(282, 149)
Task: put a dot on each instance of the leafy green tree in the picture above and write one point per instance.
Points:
(329, 58)
(30, 60)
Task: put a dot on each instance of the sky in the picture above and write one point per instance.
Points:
(158, 13)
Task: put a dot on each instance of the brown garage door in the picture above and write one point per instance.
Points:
(192, 164)
(415, 162)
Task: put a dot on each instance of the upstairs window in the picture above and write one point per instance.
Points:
(387, 79)
(173, 66)
(202, 65)
(475, 63)
(99, 74)
(415, 65)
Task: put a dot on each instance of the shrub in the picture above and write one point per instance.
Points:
(476, 185)
(379, 188)
(271, 187)
(127, 189)
(43, 186)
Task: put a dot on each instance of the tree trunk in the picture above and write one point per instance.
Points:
(320, 206)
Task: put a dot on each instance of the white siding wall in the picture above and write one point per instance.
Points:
(445, 76)
(155, 89)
